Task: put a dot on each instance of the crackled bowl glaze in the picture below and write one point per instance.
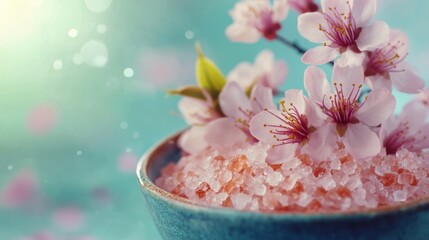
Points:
(178, 218)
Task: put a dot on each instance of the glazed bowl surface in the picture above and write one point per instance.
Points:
(178, 218)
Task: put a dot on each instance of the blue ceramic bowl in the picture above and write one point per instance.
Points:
(177, 218)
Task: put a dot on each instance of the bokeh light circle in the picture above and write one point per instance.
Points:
(128, 72)
(94, 53)
(101, 28)
(98, 6)
(73, 32)
(58, 64)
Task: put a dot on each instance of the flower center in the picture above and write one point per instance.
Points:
(294, 127)
(401, 137)
(342, 30)
(385, 60)
(342, 109)
(260, 17)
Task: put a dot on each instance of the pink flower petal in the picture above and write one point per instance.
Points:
(321, 142)
(309, 24)
(260, 131)
(232, 98)
(360, 141)
(295, 97)
(363, 11)
(243, 74)
(280, 10)
(192, 140)
(20, 190)
(378, 106)
(374, 36)
(378, 82)
(314, 114)
(261, 98)
(407, 81)
(127, 162)
(281, 154)
(349, 78)
(397, 36)
(229, 135)
(196, 111)
(42, 119)
(340, 5)
(278, 75)
(265, 61)
(238, 32)
(69, 218)
(320, 55)
(350, 58)
(316, 84)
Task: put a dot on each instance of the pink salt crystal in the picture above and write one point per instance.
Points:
(274, 178)
(399, 196)
(359, 195)
(353, 183)
(240, 200)
(284, 200)
(304, 199)
(407, 178)
(349, 167)
(335, 164)
(346, 203)
(69, 218)
(388, 179)
(327, 182)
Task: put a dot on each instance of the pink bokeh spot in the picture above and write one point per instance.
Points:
(69, 217)
(41, 119)
(166, 68)
(101, 195)
(41, 236)
(127, 162)
(20, 190)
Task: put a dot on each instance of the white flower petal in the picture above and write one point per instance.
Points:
(360, 141)
(374, 36)
(377, 108)
(319, 55)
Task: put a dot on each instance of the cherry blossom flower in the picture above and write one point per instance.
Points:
(386, 66)
(256, 18)
(289, 128)
(303, 6)
(343, 28)
(348, 119)
(408, 131)
(265, 71)
(239, 110)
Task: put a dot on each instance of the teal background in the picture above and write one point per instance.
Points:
(101, 114)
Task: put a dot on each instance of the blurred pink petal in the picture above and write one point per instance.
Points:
(20, 190)
(229, 136)
(127, 162)
(166, 68)
(303, 6)
(192, 140)
(41, 119)
(255, 19)
(41, 236)
(101, 195)
(69, 218)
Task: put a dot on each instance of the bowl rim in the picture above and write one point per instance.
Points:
(185, 203)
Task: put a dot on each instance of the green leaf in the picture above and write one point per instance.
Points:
(188, 91)
(208, 74)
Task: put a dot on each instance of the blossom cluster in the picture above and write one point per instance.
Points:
(365, 54)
